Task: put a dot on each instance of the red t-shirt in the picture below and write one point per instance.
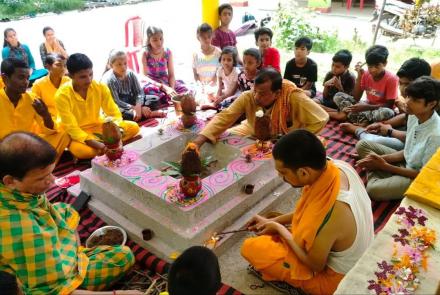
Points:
(272, 58)
(222, 39)
(379, 92)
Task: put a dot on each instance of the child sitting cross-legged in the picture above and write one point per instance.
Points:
(81, 104)
(158, 68)
(339, 79)
(127, 92)
(390, 171)
(380, 86)
(392, 132)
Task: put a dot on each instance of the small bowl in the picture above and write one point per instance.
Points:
(102, 230)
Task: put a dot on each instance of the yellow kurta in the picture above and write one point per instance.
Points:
(23, 117)
(305, 113)
(435, 69)
(44, 89)
(81, 118)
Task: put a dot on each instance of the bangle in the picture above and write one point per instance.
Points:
(390, 132)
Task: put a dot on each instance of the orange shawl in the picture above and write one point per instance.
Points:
(315, 202)
(281, 109)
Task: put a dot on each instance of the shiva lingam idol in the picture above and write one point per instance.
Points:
(191, 167)
(263, 131)
(188, 105)
(112, 138)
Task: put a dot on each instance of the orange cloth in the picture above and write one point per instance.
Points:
(435, 69)
(281, 110)
(265, 252)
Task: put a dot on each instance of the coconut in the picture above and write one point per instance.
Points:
(188, 104)
(110, 132)
(188, 120)
(191, 164)
(262, 128)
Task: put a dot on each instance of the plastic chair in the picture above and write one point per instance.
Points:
(134, 37)
(361, 4)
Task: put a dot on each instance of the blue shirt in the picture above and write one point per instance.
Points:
(422, 141)
(6, 52)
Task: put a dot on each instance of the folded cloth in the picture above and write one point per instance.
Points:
(426, 187)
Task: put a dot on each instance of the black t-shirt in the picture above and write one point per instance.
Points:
(347, 81)
(300, 76)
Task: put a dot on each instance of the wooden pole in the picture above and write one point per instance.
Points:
(379, 19)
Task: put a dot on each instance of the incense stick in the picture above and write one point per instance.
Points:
(231, 232)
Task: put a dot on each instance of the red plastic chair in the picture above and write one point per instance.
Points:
(361, 4)
(134, 33)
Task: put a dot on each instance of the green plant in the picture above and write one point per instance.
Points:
(292, 22)
(174, 169)
(16, 8)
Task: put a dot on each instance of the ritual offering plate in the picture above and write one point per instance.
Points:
(107, 236)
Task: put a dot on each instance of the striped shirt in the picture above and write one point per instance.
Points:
(206, 65)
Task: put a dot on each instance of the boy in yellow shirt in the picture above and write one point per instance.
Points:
(21, 111)
(46, 87)
(79, 103)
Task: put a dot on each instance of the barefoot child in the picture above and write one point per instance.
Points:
(158, 66)
(392, 132)
(390, 171)
(380, 86)
(126, 90)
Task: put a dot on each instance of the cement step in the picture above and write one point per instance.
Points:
(166, 227)
(164, 250)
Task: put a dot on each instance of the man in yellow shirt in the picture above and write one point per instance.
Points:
(46, 87)
(288, 107)
(79, 103)
(20, 111)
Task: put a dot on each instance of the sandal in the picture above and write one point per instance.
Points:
(278, 285)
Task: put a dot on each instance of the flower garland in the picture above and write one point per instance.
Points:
(409, 255)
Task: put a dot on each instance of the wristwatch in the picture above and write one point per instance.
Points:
(390, 132)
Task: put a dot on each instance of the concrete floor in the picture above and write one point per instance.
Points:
(233, 266)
